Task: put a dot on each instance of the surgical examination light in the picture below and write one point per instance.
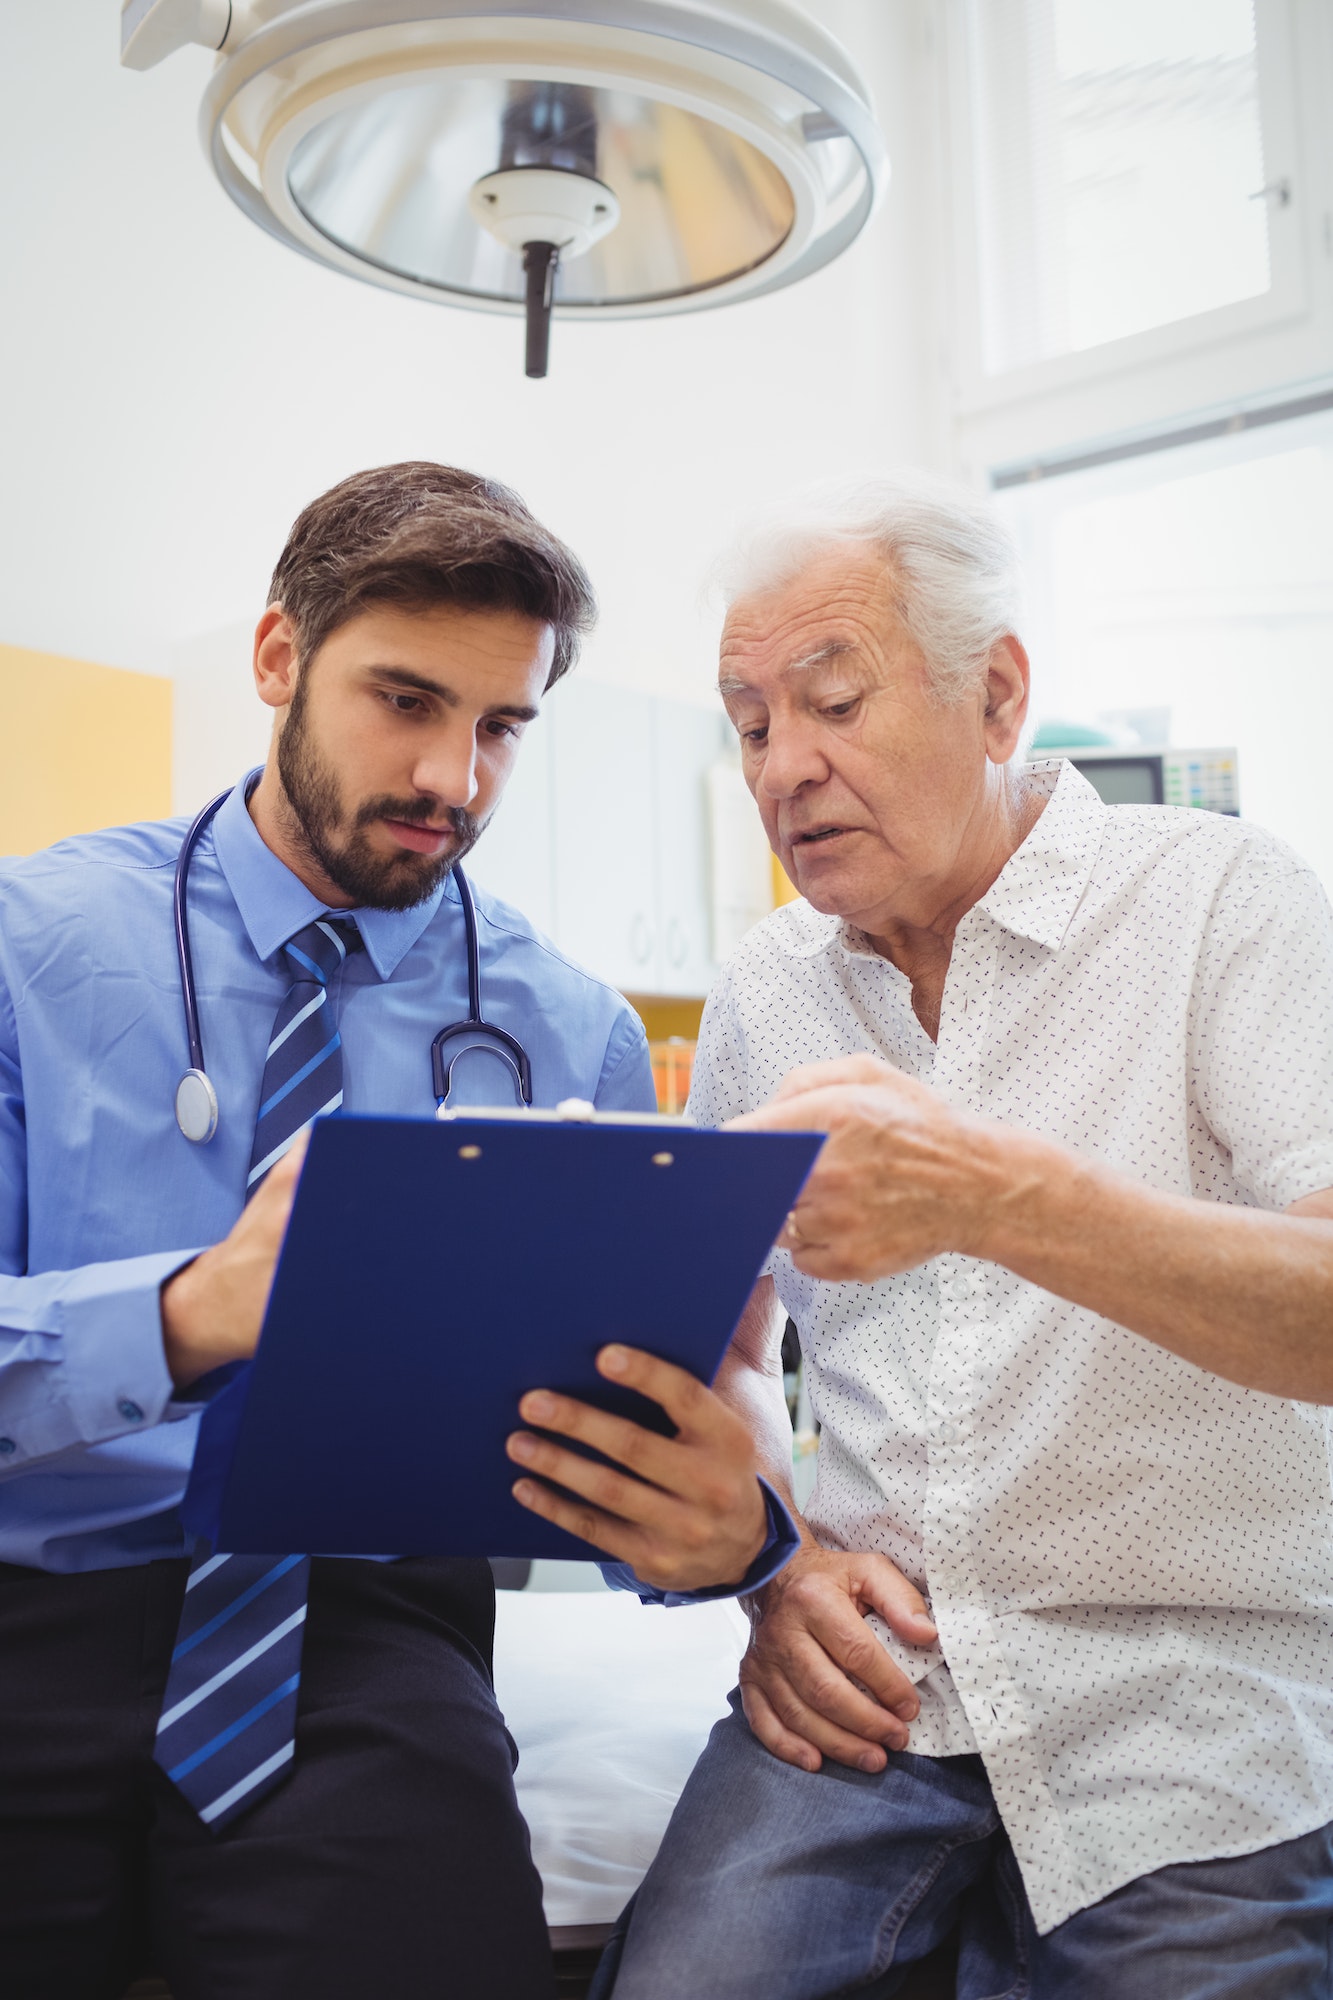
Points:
(605, 159)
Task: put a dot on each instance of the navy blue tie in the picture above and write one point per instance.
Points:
(227, 1731)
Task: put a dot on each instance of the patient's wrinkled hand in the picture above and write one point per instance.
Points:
(816, 1681)
(902, 1176)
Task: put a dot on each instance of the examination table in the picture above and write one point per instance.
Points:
(610, 1702)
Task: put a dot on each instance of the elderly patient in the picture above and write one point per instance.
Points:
(1056, 1657)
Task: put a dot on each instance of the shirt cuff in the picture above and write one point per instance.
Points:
(114, 1378)
(780, 1546)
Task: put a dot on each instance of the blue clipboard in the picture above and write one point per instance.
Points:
(430, 1275)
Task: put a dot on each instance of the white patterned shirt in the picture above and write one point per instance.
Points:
(1129, 1560)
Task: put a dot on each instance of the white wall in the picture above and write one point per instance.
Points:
(219, 726)
(177, 385)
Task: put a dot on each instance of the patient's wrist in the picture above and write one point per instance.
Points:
(760, 1600)
(1030, 1188)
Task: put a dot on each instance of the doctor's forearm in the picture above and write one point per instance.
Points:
(81, 1357)
(1245, 1293)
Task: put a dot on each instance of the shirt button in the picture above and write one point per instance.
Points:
(957, 1288)
(7, 1447)
(130, 1411)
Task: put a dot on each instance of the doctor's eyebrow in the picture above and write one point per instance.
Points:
(406, 677)
(834, 650)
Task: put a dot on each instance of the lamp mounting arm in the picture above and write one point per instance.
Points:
(152, 30)
(539, 265)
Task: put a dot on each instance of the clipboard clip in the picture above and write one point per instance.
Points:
(569, 1111)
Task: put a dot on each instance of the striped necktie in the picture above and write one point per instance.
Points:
(226, 1734)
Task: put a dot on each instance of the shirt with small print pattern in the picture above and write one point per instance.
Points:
(1128, 1559)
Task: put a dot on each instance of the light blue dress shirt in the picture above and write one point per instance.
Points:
(101, 1198)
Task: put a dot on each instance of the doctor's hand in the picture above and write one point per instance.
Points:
(686, 1512)
(816, 1682)
(902, 1176)
(213, 1309)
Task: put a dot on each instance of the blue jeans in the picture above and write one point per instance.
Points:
(779, 1884)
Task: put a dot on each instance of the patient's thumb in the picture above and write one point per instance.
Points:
(897, 1600)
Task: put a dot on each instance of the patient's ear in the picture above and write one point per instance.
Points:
(1008, 682)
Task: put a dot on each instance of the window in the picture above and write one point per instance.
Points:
(1198, 582)
(1119, 169)
(1142, 214)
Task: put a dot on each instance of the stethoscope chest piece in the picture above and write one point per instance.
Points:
(196, 1106)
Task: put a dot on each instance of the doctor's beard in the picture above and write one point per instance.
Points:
(336, 839)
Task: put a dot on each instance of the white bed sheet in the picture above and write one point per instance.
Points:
(610, 1702)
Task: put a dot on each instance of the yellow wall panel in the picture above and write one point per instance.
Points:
(81, 746)
(664, 1016)
(784, 891)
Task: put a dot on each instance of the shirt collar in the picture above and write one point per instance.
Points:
(1039, 888)
(274, 904)
(1036, 892)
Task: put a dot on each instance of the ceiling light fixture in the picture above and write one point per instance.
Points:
(608, 159)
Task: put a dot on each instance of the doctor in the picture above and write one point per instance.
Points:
(290, 1779)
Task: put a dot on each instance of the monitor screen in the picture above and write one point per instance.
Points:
(1125, 781)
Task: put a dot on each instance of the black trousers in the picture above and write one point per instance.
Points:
(393, 1861)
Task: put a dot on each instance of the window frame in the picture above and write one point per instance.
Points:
(1232, 351)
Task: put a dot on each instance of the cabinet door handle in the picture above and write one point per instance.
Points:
(678, 945)
(641, 939)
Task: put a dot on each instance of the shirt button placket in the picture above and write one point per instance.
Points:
(949, 1515)
(946, 1464)
(962, 1036)
(950, 1413)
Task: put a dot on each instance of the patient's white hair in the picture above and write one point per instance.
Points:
(951, 564)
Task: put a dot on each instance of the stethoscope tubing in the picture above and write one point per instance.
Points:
(181, 918)
(196, 1100)
(509, 1047)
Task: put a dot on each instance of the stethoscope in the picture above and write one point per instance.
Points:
(197, 1100)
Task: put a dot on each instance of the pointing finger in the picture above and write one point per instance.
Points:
(806, 1113)
(858, 1070)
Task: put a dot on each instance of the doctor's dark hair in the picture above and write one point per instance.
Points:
(416, 535)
